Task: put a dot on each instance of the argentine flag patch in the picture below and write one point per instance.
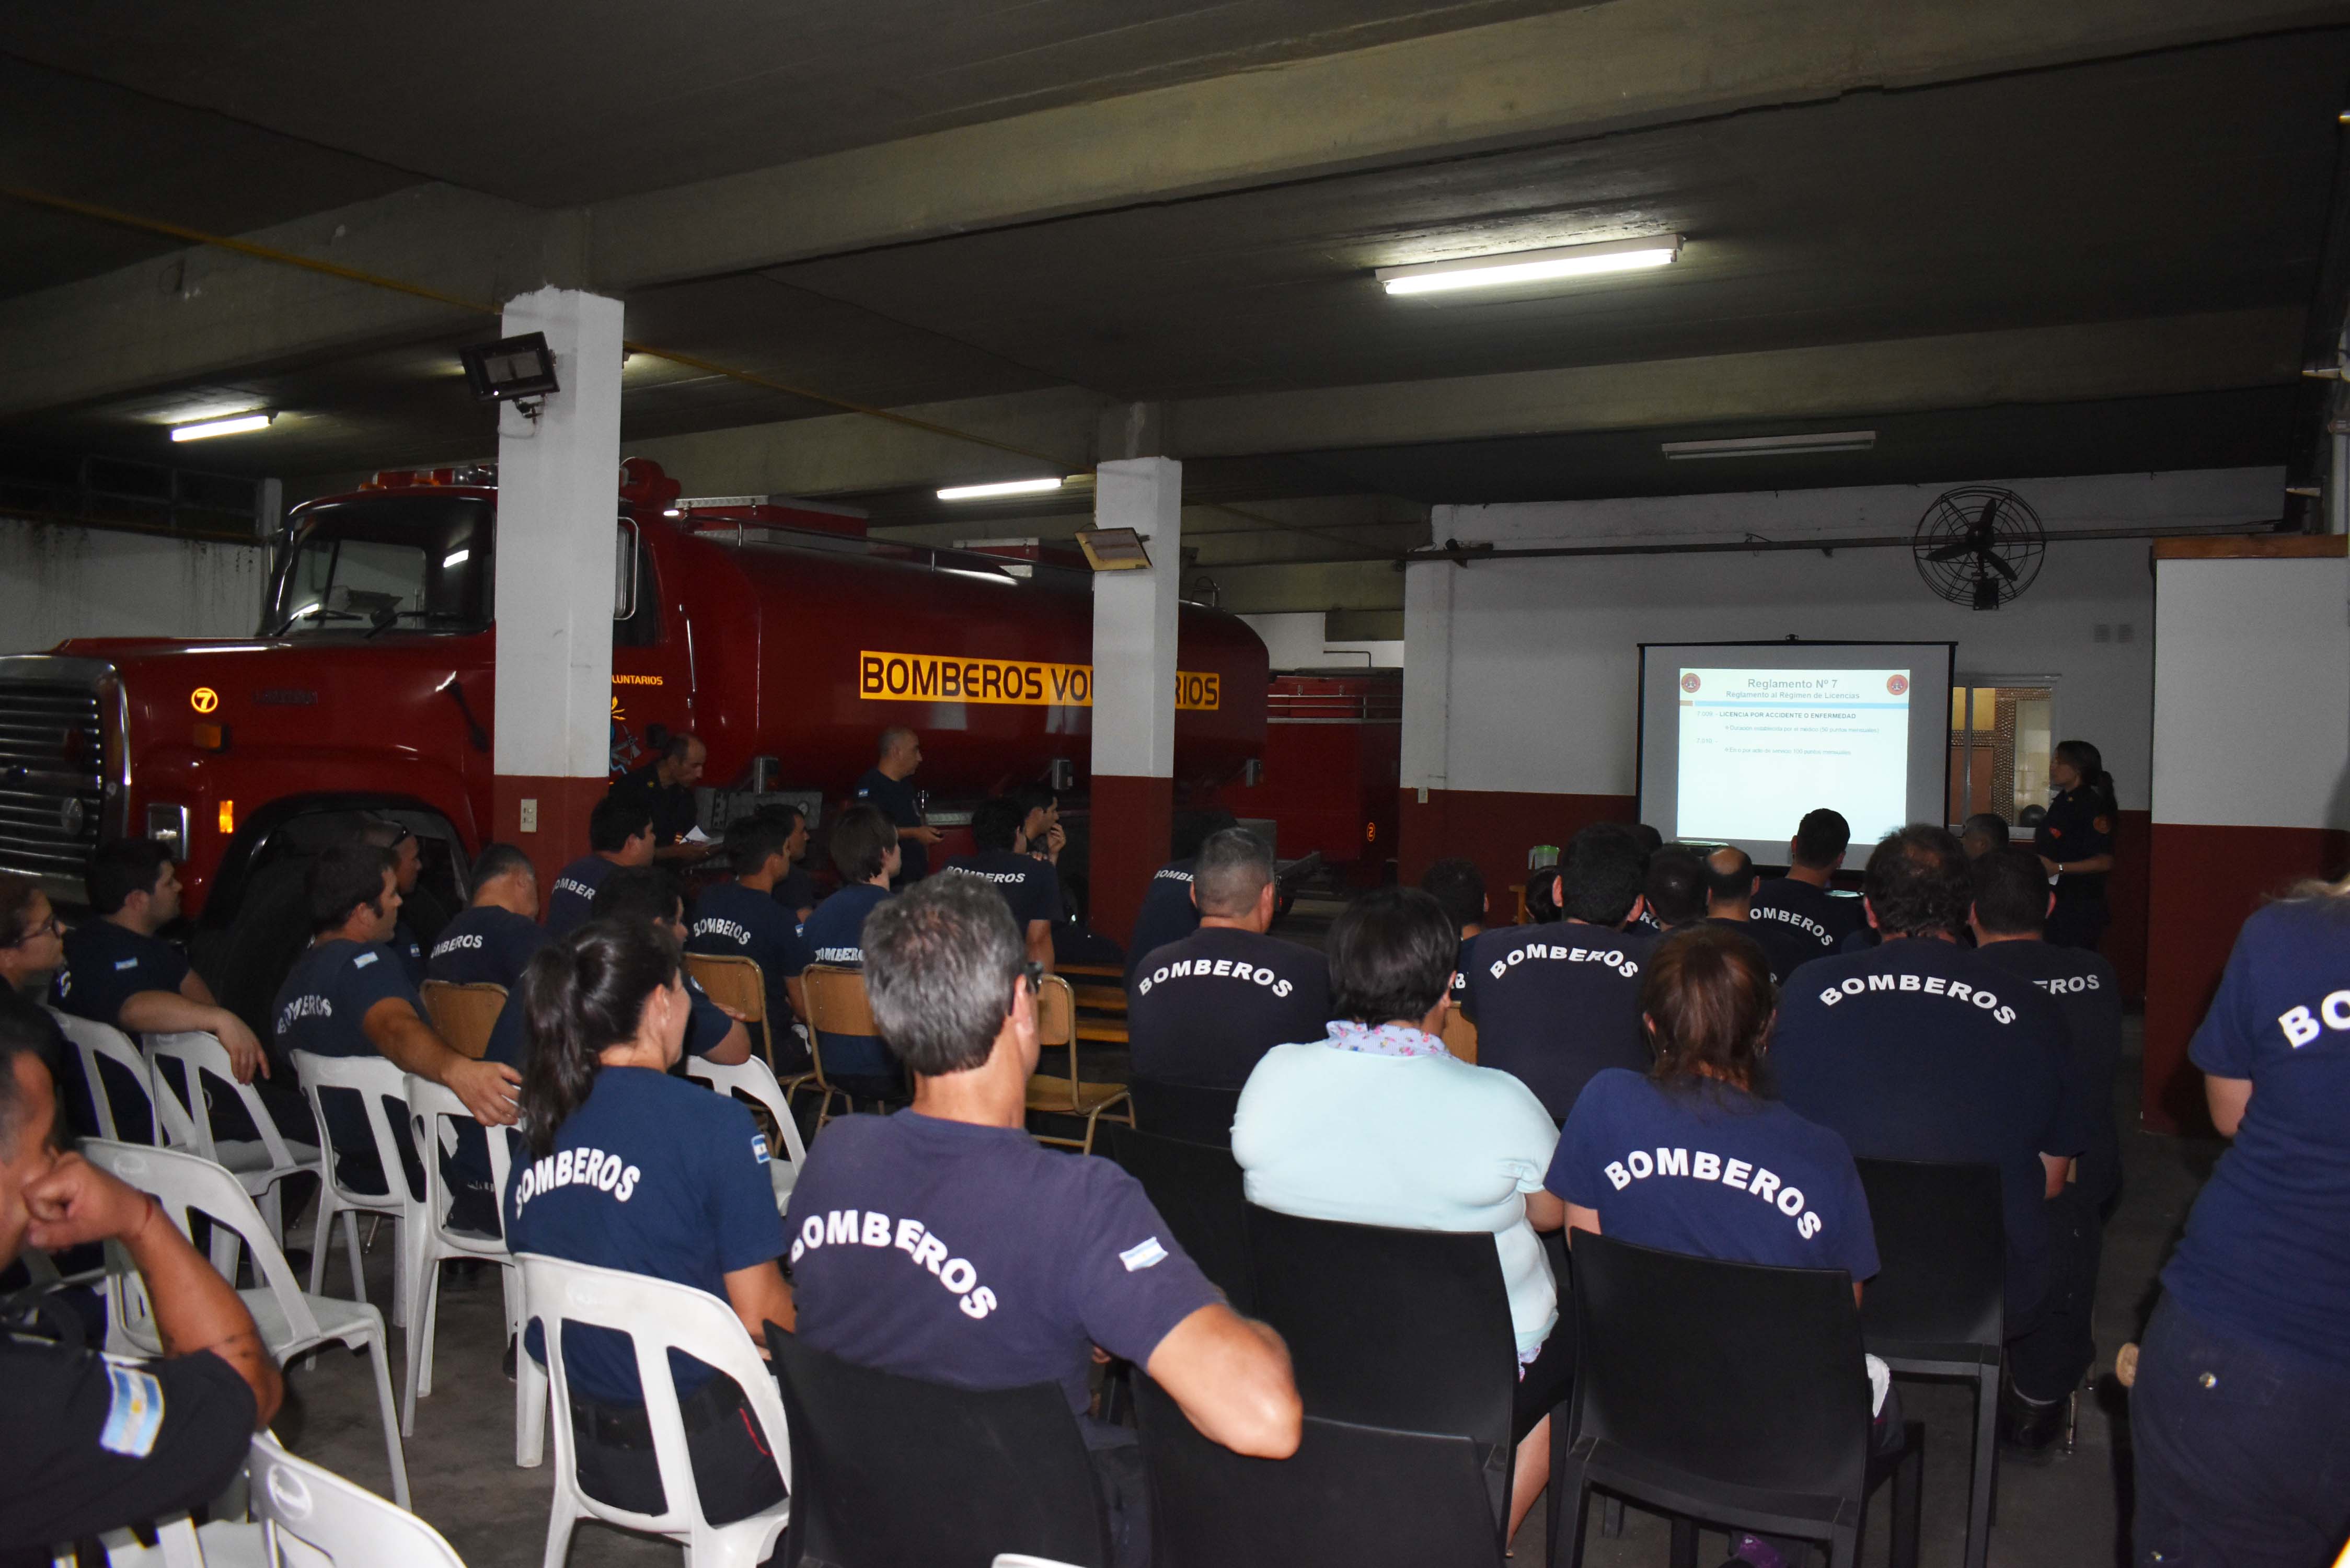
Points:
(1142, 1254)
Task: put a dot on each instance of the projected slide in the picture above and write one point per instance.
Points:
(1759, 748)
(1740, 740)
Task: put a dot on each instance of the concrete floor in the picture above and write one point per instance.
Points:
(2069, 1514)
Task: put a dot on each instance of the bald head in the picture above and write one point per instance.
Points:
(1729, 883)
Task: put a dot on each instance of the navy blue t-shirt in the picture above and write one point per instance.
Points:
(795, 891)
(322, 1009)
(968, 1255)
(706, 1027)
(656, 1176)
(731, 920)
(485, 946)
(1030, 886)
(836, 934)
(1556, 1005)
(410, 950)
(2086, 992)
(1815, 915)
(107, 965)
(898, 803)
(1206, 1009)
(1714, 1172)
(571, 903)
(2267, 1249)
(1167, 915)
(1782, 949)
(1920, 1050)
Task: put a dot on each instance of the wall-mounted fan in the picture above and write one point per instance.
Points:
(1979, 546)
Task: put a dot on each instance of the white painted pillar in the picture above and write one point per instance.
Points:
(1135, 617)
(558, 502)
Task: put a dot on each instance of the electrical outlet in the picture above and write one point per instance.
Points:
(529, 815)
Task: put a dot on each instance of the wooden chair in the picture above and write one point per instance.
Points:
(1049, 1094)
(737, 984)
(1100, 998)
(1460, 1036)
(835, 995)
(1092, 971)
(464, 1015)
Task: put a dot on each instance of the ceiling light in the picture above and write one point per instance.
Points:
(1008, 487)
(236, 424)
(1531, 266)
(1773, 446)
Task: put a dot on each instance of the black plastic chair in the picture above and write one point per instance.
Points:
(1937, 1307)
(1353, 1496)
(1404, 1329)
(1197, 1191)
(888, 1469)
(1187, 1111)
(1723, 1392)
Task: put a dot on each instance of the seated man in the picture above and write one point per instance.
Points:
(1458, 889)
(1919, 1049)
(1029, 885)
(866, 851)
(1801, 900)
(664, 787)
(1203, 1011)
(1983, 832)
(795, 890)
(981, 1295)
(1676, 888)
(1167, 914)
(408, 869)
(740, 919)
(1730, 884)
(491, 941)
(1554, 1004)
(97, 1443)
(1380, 1125)
(348, 995)
(2013, 902)
(619, 832)
(117, 972)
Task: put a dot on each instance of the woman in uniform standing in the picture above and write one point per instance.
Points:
(2075, 843)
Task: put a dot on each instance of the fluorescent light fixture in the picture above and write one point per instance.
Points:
(1008, 487)
(1773, 446)
(455, 558)
(236, 424)
(999, 579)
(1531, 266)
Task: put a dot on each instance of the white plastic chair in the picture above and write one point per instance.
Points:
(754, 1077)
(305, 1505)
(167, 1120)
(262, 1164)
(657, 1316)
(374, 1079)
(291, 1322)
(427, 1242)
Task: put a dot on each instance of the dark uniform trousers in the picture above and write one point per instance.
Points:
(2049, 1356)
(733, 1468)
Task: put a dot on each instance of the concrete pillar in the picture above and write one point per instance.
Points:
(2251, 768)
(1134, 689)
(557, 502)
(1420, 815)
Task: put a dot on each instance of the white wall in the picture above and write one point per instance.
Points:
(2251, 716)
(59, 582)
(1522, 675)
(1294, 640)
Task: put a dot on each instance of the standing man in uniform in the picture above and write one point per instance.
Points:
(1557, 1004)
(1730, 884)
(1921, 1049)
(1204, 1010)
(1000, 828)
(1801, 900)
(494, 937)
(664, 787)
(740, 919)
(2075, 843)
(884, 786)
(619, 832)
(2011, 909)
(94, 1443)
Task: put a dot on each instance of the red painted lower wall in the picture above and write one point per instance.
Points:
(1495, 828)
(1133, 821)
(2124, 944)
(563, 807)
(2201, 882)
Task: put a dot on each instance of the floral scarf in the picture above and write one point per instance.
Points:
(1387, 1040)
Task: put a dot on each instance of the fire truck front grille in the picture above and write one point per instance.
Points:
(52, 791)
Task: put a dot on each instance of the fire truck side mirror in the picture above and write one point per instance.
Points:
(624, 569)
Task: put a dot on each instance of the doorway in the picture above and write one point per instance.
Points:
(2001, 730)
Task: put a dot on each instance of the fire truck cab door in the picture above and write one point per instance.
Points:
(652, 658)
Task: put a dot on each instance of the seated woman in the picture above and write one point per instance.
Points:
(1795, 1200)
(675, 1186)
(1380, 1125)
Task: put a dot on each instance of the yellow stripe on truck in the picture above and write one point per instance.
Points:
(931, 678)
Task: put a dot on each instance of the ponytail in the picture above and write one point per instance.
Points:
(2090, 763)
(579, 996)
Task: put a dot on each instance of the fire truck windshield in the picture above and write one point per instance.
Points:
(384, 561)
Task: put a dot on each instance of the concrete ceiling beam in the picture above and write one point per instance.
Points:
(1573, 73)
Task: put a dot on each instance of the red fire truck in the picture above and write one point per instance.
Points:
(777, 633)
